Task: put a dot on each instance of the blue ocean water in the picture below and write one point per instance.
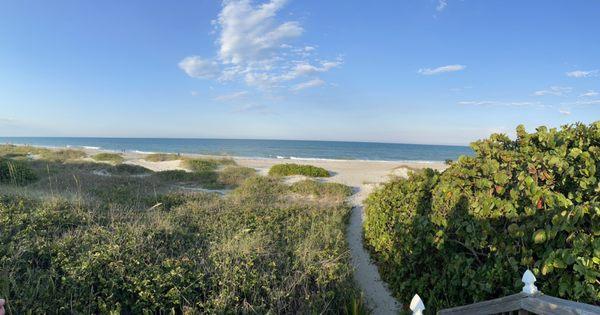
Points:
(290, 149)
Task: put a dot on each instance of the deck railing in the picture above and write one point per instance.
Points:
(529, 301)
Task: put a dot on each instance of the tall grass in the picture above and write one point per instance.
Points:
(109, 157)
(125, 244)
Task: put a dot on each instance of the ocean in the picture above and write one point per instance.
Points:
(283, 149)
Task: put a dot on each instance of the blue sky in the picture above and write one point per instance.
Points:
(418, 71)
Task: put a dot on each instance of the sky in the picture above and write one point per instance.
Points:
(410, 71)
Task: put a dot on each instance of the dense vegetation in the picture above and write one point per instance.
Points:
(298, 169)
(95, 238)
(467, 234)
(15, 172)
(108, 157)
(205, 164)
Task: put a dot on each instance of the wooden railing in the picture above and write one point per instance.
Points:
(528, 301)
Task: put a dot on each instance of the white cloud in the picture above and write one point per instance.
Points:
(501, 103)
(584, 103)
(256, 47)
(7, 121)
(232, 96)
(442, 4)
(554, 90)
(564, 112)
(582, 73)
(249, 33)
(308, 84)
(589, 93)
(196, 67)
(442, 69)
(194, 93)
(253, 108)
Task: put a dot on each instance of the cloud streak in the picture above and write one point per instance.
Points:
(308, 84)
(442, 69)
(554, 90)
(582, 73)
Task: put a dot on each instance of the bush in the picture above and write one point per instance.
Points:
(109, 157)
(206, 164)
(197, 253)
(467, 234)
(15, 172)
(207, 179)
(298, 169)
(129, 169)
(235, 175)
(313, 188)
(62, 155)
(160, 157)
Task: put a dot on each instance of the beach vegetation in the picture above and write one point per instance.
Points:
(62, 155)
(113, 158)
(161, 157)
(465, 234)
(15, 172)
(20, 151)
(298, 169)
(232, 176)
(75, 241)
(310, 187)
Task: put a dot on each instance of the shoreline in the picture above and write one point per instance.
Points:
(89, 149)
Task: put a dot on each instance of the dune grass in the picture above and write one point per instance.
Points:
(298, 169)
(62, 155)
(109, 157)
(76, 242)
(20, 151)
(161, 157)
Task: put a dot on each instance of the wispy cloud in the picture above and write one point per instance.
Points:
(308, 84)
(589, 93)
(564, 112)
(194, 93)
(486, 103)
(554, 90)
(442, 69)
(256, 47)
(253, 108)
(441, 5)
(582, 73)
(583, 103)
(231, 96)
(7, 121)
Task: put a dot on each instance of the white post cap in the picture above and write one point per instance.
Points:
(529, 280)
(416, 305)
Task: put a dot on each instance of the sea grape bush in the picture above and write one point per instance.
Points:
(468, 233)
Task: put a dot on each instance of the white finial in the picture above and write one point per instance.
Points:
(529, 280)
(416, 305)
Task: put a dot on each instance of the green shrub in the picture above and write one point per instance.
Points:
(15, 172)
(235, 175)
(298, 169)
(129, 169)
(206, 179)
(62, 155)
(109, 157)
(200, 165)
(253, 252)
(205, 164)
(469, 233)
(318, 189)
(160, 157)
